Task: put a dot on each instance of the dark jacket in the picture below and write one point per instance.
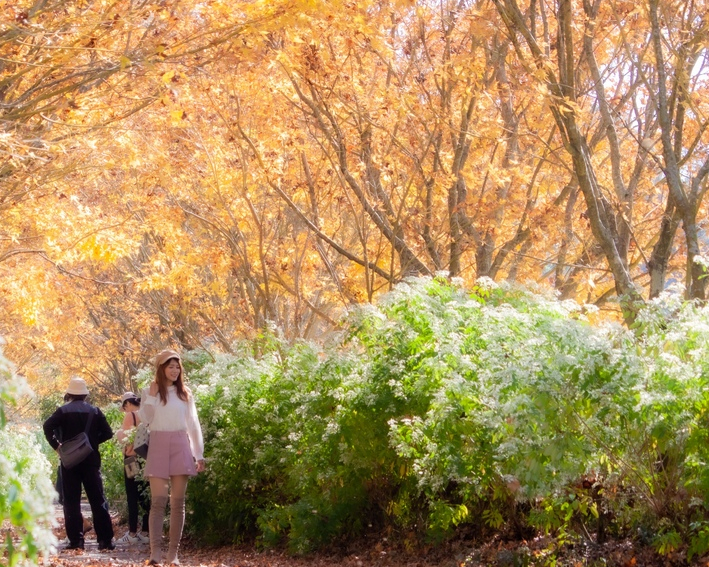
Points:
(70, 420)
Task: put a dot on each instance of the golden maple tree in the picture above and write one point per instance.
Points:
(189, 173)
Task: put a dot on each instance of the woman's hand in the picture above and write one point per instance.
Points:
(200, 465)
(153, 389)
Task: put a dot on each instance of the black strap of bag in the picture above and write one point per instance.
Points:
(88, 423)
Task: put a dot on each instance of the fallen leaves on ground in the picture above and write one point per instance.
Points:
(383, 552)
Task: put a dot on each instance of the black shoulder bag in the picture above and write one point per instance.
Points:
(75, 450)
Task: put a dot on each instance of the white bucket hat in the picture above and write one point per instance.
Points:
(77, 387)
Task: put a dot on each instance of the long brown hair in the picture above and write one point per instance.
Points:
(162, 381)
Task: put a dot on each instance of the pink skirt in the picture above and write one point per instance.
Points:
(169, 454)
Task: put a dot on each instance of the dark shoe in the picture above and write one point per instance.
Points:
(106, 546)
(78, 545)
(151, 562)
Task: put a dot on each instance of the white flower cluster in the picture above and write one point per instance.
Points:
(26, 492)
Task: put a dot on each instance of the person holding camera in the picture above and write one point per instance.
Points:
(136, 486)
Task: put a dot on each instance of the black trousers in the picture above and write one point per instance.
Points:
(89, 476)
(137, 494)
(58, 485)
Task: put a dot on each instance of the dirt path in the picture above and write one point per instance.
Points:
(135, 555)
(123, 554)
(494, 553)
(234, 557)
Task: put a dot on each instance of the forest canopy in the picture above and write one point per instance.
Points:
(184, 173)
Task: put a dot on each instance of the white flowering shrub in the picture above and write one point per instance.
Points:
(673, 403)
(443, 406)
(256, 413)
(26, 490)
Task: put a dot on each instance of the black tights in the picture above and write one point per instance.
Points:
(138, 498)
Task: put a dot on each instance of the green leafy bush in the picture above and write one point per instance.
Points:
(112, 465)
(441, 407)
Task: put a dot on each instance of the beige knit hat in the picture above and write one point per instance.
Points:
(164, 356)
(77, 387)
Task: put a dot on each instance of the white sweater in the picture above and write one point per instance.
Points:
(175, 415)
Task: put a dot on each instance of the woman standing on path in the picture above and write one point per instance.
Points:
(136, 486)
(175, 451)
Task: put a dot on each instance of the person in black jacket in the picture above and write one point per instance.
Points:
(70, 420)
